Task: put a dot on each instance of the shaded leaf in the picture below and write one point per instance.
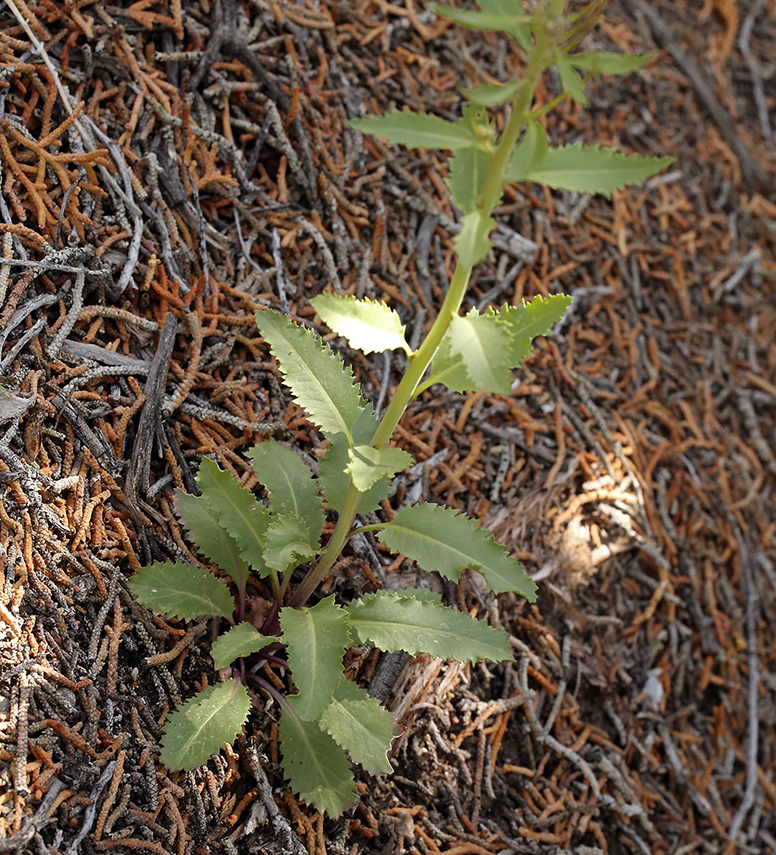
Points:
(316, 639)
(568, 77)
(504, 17)
(466, 181)
(241, 640)
(180, 590)
(416, 130)
(368, 325)
(361, 726)
(238, 511)
(368, 465)
(392, 621)
(610, 63)
(204, 724)
(528, 155)
(318, 380)
(492, 94)
(444, 541)
(287, 542)
(212, 539)
(291, 485)
(524, 322)
(316, 767)
(472, 243)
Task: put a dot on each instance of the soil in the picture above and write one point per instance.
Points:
(170, 167)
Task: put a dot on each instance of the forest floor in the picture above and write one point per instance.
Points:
(190, 159)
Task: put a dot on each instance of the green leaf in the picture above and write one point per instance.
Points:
(316, 767)
(417, 130)
(361, 726)
(319, 381)
(498, 16)
(492, 94)
(443, 541)
(368, 325)
(241, 640)
(482, 344)
(466, 181)
(287, 542)
(238, 511)
(368, 465)
(528, 154)
(568, 77)
(180, 590)
(524, 322)
(212, 539)
(316, 639)
(610, 63)
(291, 485)
(472, 243)
(590, 169)
(392, 621)
(333, 477)
(204, 724)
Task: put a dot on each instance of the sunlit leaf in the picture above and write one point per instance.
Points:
(367, 325)
(287, 542)
(241, 640)
(181, 590)
(482, 344)
(204, 724)
(528, 320)
(368, 465)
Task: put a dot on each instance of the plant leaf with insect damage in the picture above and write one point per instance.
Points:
(181, 590)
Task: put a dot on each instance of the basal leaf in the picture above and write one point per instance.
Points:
(524, 322)
(610, 63)
(392, 621)
(416, 130)
(238, 511)
(316, 767)
(319, 381)
(212, 539)
(529, 153)
(472, 243)
(482, 345)
(204, 724)
(368, 465)
(332, 467)
(466, 181)
(590, 169)
(368, 325)
(361, 726)
(291, 485)
(241, 640)
(568, 77)
(316, 639)
(444, 541)
(492, 94)
(180, 590)
(287, 542)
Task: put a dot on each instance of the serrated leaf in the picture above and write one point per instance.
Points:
(238, 511)
(204, 724)
(332, 467)
(528, 155)
(318, 380)
(291, 485)
(392, 621)
(472, 243)
(361, 726)
(492, 94)
(526, 321)
(481, 343)
(316, 767)
(466, 181)
(590, 169)
(316, 639)
(416, 130)
(287, 542)
(368, 465)
(212, 539)
(368, 325)
(181, 590)
(446, 542)
(568, 77)
(610, 63)
(241, 640)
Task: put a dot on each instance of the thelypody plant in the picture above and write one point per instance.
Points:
(331, 717)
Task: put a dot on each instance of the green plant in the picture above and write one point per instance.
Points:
(234, 529)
